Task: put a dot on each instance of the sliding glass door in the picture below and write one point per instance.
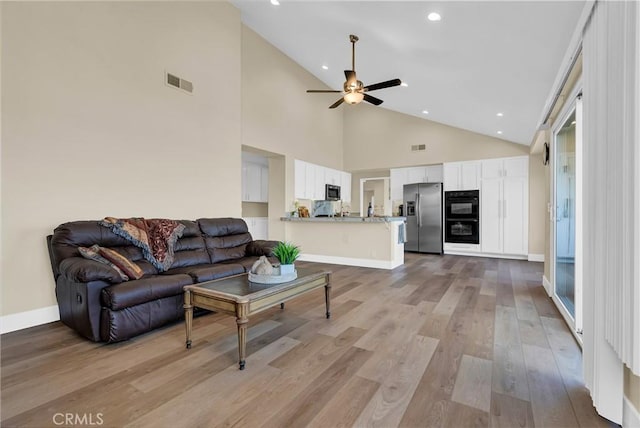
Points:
(566, 275)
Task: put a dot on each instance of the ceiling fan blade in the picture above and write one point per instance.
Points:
(382, 85)
(350, 75)
(321, 91)
(373, 100)
(337, 103)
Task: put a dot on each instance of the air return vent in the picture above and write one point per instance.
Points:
(177, 82)
(418, 147)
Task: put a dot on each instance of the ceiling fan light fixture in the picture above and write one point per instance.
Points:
(353, 97)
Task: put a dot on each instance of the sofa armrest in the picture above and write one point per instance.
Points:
(261, 247)
(79, 269)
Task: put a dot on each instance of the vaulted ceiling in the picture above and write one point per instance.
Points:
(482, 58)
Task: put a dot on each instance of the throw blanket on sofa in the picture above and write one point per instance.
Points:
(156, 237)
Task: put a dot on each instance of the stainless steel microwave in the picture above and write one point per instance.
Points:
(331, 192)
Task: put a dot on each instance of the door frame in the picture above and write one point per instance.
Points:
(574, 104)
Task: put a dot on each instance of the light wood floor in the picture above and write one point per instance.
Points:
(441, 341)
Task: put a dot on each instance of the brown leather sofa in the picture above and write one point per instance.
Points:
(94, 300)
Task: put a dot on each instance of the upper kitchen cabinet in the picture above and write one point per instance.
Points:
(345, 186)
(461, 175)
(310, 181)
(505, 167)
(255, 182)
(416, 174)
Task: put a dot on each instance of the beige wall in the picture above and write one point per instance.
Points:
(278, 115)
(377, 138)
(537, 204)
(255, 209)
(90, 129)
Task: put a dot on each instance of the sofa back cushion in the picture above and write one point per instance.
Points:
(69, 236)
(190, 249)
(225, 238)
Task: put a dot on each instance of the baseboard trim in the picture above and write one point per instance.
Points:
(536, 257)
(22, 320)
(488, 255)
(349, 261)
(547, 285)
(630, 415)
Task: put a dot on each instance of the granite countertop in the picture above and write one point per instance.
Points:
(343, 219)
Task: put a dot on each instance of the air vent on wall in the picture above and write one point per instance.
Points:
(177, 82)
(418, 147)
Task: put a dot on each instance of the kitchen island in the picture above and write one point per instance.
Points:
(375, 242)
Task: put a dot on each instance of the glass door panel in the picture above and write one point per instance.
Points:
(565, 214)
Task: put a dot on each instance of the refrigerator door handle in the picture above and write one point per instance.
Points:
(418, 216)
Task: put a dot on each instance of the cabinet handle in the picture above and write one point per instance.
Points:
(504, 209)
(499, 208)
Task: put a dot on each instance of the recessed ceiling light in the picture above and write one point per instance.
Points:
(425, 112)
(499, 132)
(275, 2)
(499, 114)
(434, 16)
(404, 84)
(324, 67)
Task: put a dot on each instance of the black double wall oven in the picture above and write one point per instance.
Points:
(462, 216)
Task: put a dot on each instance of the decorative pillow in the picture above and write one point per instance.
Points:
(91, 253)
(131, 269)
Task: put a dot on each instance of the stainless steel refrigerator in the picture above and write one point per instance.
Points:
(423, 210)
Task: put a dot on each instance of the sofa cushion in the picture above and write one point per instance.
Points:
(92, 253)
(149, 288)
(132, 270)
(190, 249)
(209, 272)
(79, 269)
(222, 226)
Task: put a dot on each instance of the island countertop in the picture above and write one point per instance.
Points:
(383, 219)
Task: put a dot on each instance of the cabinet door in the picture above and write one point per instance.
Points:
(310, 181)
(320, 181)
(417, 174)
(492, 168)
(491, 215)
(434, 173)
(470, 175)
(451, 176)
(516, 167)
(251, 182)
(264, 184)
(398, 178)
(300, 183)
(345, 186)
(515, 214)
(332, 176)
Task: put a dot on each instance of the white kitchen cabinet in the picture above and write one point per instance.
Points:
(255, 182)
(310, 181)
(415, 174)
(504, 202)
(300, 177)
(258, 227)
(345, 186)
(461, 175)
(398, 178)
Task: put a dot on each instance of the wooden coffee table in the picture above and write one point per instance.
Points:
(236, 295)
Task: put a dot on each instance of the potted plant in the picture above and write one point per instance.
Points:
(286, 253)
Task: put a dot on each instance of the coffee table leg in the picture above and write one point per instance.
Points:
(242, 320)
(188, 315)
(327, 298)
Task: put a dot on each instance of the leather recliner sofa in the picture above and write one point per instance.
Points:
(95, 301)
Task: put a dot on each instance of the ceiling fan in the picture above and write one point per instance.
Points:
(353, 89)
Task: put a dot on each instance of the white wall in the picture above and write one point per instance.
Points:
(90, 129)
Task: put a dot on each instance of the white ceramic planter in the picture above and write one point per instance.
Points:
(287, 269)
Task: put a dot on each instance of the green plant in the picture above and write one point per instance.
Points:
(286, 253)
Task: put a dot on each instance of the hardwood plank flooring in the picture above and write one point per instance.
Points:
(442, 341)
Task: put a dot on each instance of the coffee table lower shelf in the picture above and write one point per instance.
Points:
(238, 296)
